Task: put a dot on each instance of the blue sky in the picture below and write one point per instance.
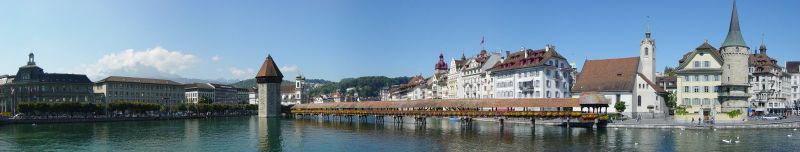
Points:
(334, 39)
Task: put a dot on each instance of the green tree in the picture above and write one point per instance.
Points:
(672, 100)
(669, 71)
(620, 106)
(205, 100)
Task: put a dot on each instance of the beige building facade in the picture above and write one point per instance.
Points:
(130, 89)
(698, 80)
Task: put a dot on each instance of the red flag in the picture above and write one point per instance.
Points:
(482, 40)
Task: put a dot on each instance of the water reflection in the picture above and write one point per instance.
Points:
(277, 134)
(269, 134)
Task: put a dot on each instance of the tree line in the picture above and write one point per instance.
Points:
(128, 109)
(368, 86)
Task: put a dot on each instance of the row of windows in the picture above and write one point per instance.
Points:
(145, 86)
(142, 94)
(701, 78)
(704, 64)
(699, 101)
(54, 99)
(45, 89)
(531, 94)
(700, 89)
(533, 84)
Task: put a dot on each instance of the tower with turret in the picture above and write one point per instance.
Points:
(268, 81)
(647, 53)
(733, 92)
(300, 89)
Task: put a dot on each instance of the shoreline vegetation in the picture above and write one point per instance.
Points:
(63, 112)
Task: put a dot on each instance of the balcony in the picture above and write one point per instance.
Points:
(734, 94)
(527, 88)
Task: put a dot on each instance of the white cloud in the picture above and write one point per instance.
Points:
(215, 58)
(243, 73)
(289, 69)
(155, 62)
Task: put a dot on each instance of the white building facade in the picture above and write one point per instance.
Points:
(530, 73)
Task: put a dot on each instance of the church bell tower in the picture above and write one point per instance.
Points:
(647, 53)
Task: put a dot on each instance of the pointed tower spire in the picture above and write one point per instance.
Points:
(734, 37)
(269, 72)
(647, 30)
(763, 48)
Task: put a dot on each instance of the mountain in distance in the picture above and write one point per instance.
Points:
(191, 80)
(251, 83)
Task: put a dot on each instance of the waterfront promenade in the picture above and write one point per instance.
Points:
(669, 123)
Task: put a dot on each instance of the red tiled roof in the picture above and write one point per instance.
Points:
(763, 63)
(269, 71)
(518, 59)
(607, 75)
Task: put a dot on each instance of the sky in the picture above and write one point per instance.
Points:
(335, 39)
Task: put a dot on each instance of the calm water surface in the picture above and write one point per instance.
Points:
(259, 134)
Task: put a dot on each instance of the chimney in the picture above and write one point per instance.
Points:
(522, 50)
(508, 53)
(547, 48)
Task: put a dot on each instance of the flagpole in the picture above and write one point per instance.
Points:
(483, 43)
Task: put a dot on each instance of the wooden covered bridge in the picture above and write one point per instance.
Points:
(588, 108)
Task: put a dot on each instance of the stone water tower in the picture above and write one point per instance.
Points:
(268, 81)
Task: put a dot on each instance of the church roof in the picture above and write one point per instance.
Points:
(734, 37)
(608, 75)
(269, 72)
(287, 89)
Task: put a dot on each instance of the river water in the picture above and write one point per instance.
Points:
(286, 134)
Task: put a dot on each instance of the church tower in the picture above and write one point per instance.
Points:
(268, 81)
(735, 53)
(300, 90)
(647, 53)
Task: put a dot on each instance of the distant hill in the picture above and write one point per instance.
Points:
(190, 80)
(368, 86)
(251, 83)
(248, 83)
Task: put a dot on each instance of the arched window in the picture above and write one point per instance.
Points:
(639, 101)
(646, 51)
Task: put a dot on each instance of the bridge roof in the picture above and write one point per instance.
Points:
(451, 103)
